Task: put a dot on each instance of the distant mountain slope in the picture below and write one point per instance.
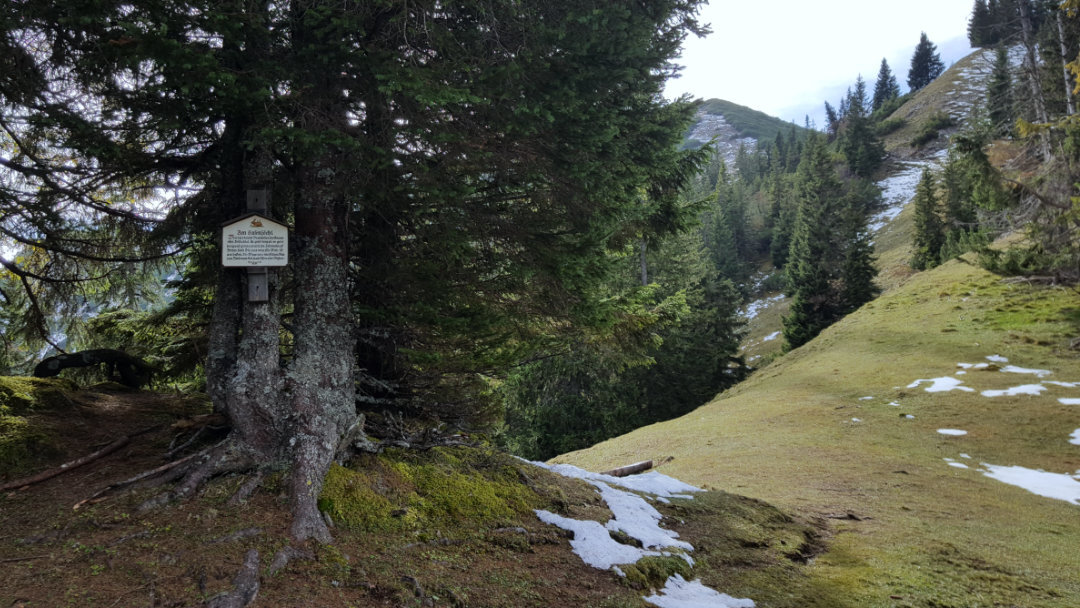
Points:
(935, 428)
(733, 125)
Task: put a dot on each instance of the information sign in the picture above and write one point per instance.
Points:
(254, 241)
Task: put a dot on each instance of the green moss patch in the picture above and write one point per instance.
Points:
(653, 572)
(404, 490)
(23, 440)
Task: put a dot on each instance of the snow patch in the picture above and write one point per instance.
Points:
(997, 359)
(1064, 384)
(771, 337)
(942, 385)
(1026, 389)
(1075, 437)
(1061, 486)
(754, 308)
(634, 516)
(952, 432)
(1069, 401)
(680, 593)
(1012, 369)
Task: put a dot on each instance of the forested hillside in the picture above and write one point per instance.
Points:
(501, 238)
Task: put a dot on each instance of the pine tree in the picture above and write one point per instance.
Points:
(926, 64)
(929, 231)
(980, 30)
(812, 262)
(886, 87)
(832, 120)
(437, 214)
(999, 94)
(858, 270)
(858, 140)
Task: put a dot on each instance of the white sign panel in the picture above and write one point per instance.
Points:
(254, 241)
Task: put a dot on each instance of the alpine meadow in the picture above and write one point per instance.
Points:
(311, 303)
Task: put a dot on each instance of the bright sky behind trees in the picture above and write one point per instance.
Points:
(786, 57)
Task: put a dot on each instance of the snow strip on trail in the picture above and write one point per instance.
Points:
(635, 517)
(680, 593)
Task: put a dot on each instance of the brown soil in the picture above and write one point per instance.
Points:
(107, 554)
(58, 549)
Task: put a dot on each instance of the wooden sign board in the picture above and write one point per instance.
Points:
(254, 241)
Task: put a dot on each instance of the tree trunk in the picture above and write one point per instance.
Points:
(321, 376)
(1070, 107)
(1031, 71)
(644, 263)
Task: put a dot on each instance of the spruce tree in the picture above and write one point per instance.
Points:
(886, 87)
(999, 94)
(858, 140)
(926, 64)
(929, 231)
(980, 30)
(812, 263)
(446, 219)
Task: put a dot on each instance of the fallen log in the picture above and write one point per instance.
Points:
(133, 371)
(67, 466)
(630, 469)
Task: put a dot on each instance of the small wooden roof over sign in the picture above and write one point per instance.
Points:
(254, 240)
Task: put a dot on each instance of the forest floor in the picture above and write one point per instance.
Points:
(447, 527)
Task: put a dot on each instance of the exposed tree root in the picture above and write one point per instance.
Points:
(245, 585)
(286, 555)
(219, 459)
(74, 464)
(68, 466)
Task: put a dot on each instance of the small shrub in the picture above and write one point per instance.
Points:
(931, 128)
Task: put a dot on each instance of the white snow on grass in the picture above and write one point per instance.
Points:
(942, 385)
(680, 593)
(593, 543)
(652, 482)
(753, 308)
(635, 517)
(958, 465)
(952, 432)
(867, 398)
(1012, 369)
(639, 519)
(1026, 389)
(1061, 486)
(1069, 401)
(1065, 384)
(973, 365)
(771, 337)
(1075, 437)
(898, 189)
(997, 359)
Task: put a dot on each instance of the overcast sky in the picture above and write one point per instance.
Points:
(787, 57)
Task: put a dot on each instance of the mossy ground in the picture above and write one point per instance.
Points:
(443, 527)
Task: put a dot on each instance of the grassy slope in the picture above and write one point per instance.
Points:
(747, 121)
(925, 532)
(909, 530)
